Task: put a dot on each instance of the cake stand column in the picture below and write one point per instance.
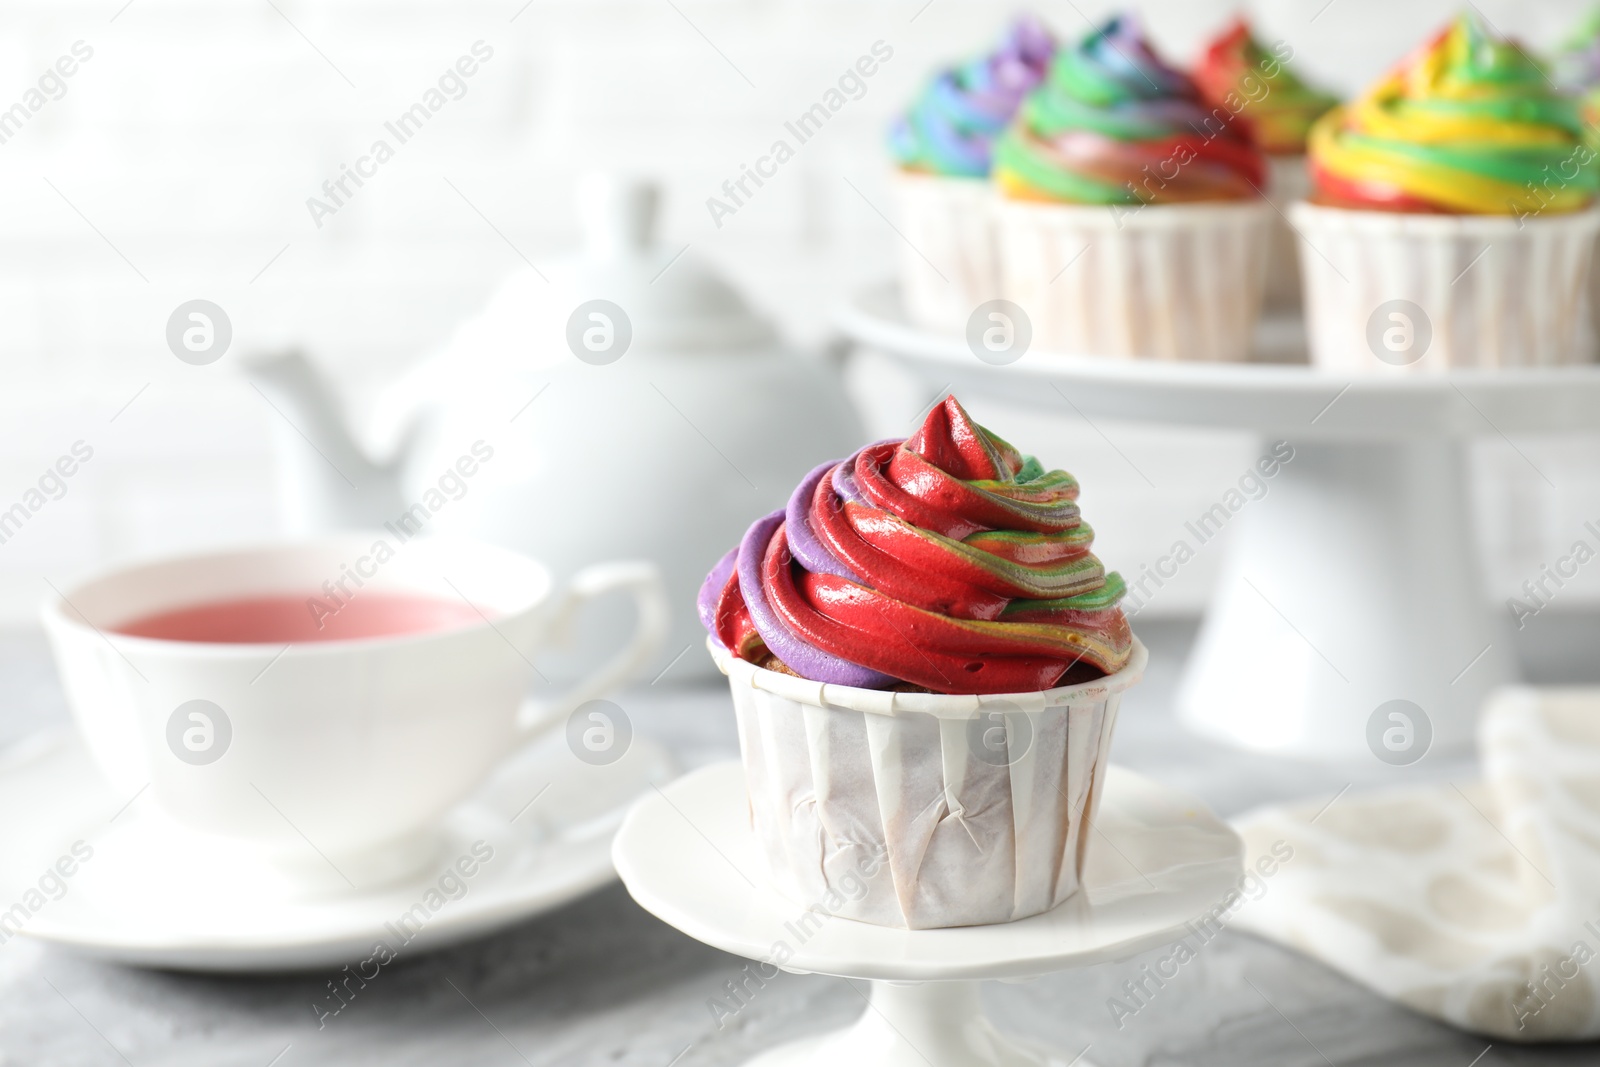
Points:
(1354, 583)
(912, 1024)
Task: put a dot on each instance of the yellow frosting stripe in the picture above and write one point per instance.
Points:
(1447, 186)
(1467, 124)
(1431, 127)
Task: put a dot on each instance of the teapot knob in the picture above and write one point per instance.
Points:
(618, 213)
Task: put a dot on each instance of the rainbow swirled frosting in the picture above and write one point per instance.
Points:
(950, 129)
(1240, 77)
(947, 561)
(1467, 124)
(1114, 124)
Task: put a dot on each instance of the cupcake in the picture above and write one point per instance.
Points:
(1452, 219)
(926, 662)
(1129, 219)
(1245, 83)
(942, 148)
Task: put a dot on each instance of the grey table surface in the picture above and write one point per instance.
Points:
(603, 982)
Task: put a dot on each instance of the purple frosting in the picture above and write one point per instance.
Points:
(813, 555)
(711, 589)
(794, 651)
(951, 127)
(809, 550)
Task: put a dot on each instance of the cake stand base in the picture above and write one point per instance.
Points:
(1353, 583)
(918, 1024)
(1157, 861)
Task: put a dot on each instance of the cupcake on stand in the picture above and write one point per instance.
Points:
(1129, 218)
(927, 662)
(859, 625)
(1452, 219)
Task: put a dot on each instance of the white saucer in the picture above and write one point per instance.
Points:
(153, 897)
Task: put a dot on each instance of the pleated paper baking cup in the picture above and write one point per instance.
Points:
(1395, 293)
(1161, 281)
(947, 260)
(919, 810)
(1288, 182)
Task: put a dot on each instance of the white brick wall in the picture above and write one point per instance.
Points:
(193, 136)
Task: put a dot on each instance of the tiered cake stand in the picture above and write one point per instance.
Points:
(1356, 580)
(1157, 862)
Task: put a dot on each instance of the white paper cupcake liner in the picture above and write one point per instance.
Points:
(918, 810)
(1163, 281)
(1288, 182)
(947, 262)
(1493, 291)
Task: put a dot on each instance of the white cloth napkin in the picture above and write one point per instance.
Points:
(1478, 903)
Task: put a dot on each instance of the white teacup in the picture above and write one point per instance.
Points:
(331, 762)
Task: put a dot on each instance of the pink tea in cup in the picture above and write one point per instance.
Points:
(276, 620)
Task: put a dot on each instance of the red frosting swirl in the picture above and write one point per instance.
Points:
(947, 561)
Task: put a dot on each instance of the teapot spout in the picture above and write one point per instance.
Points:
(326, 480)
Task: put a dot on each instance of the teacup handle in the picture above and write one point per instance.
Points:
(650, 597)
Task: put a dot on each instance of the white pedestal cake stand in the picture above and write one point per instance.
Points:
(1356, 580)
(1157, 862)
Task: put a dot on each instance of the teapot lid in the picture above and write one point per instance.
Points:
(673, 300)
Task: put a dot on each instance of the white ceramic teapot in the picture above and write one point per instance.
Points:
(658, 426)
